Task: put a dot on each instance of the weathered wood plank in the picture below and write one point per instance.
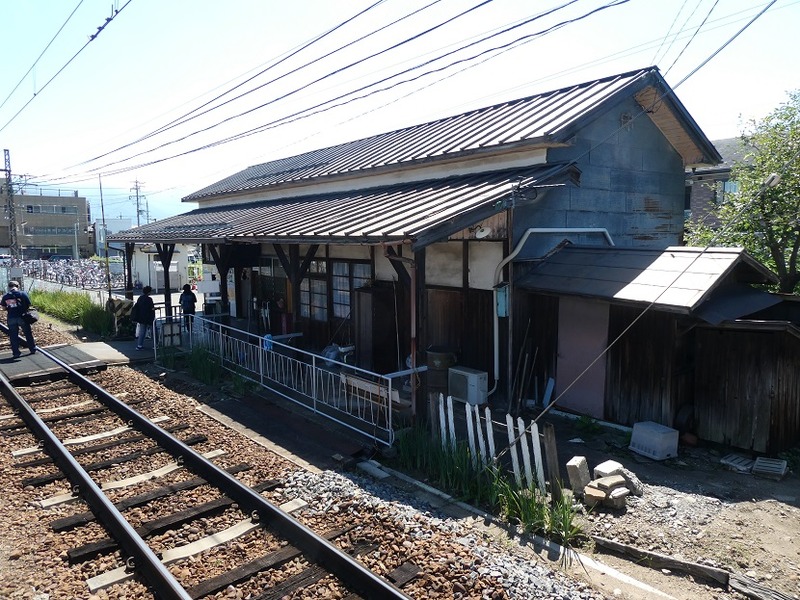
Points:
(753, 589)
(661, 561)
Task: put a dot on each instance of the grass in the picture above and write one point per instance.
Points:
(204, 366)
(74, 308)
(65, 306)
(455, 471)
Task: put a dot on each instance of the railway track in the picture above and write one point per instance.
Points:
(175, 507)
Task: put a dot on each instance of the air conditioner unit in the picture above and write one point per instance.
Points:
(467, 385)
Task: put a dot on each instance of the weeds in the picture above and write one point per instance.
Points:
(204, 367)
(587, 425)
(455, 471)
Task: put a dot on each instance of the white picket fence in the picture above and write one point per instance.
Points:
(523, 440)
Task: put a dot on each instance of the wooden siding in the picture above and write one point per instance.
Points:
(640, 382)
(748, 388)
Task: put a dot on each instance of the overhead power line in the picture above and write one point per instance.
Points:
(297, 89)
(60, 29)
(329, 104)
(92, 38)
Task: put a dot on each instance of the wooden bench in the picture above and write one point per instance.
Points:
(372, 391)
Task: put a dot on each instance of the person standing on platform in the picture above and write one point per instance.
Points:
(144, 313)
(188, 302)
(16, 302)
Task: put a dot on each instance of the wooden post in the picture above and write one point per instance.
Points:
(551, 455)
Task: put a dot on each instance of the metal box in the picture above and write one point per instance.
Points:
(468, 385)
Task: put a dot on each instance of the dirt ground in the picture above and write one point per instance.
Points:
(694, 509)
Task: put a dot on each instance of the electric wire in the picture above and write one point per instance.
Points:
(60, 29)
(321, 107)
(667, 35)
(299, 88)
(195, 113)
(688, 43)
(92, 38)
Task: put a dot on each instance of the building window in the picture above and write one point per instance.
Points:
(723, 190)
(347, 276)
(314, 293)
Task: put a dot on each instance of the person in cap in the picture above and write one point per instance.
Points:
(16, 302)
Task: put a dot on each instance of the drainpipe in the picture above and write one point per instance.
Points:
(499, 270)
(413, 309)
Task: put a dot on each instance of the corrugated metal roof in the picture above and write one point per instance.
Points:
(678, 278)
(544, 119)
(389, 213)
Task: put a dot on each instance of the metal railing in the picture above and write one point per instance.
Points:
(359, 399)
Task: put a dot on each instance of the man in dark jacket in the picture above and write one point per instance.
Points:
(17, 303)
(144, 313)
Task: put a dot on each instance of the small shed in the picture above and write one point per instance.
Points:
(658, 335)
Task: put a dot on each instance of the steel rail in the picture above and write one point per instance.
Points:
(315, 548)
(146, 562)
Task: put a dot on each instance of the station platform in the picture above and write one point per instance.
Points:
(84, 358)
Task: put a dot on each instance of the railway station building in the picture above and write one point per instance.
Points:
(513, 241)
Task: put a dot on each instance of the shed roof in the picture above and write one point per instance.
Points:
(678, 278)
(542, 120)
(418, 212)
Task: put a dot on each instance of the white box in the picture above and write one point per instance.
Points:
(654, 440)
(468, 385)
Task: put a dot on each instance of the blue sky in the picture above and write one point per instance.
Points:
(146, 99)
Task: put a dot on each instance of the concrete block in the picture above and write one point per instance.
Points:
(616, 499)
(578, 472)
(634, 483)
(609, 467)
(611, 482)
(593, 496)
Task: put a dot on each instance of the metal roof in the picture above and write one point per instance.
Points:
(678, 278)
(542, 120)
(407, 211)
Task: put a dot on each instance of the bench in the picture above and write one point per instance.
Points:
(372, 391)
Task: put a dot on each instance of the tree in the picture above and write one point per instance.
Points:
(762, 218)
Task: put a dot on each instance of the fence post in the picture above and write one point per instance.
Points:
(451, 422)
(481, 442)
(526, 455)
(513, 448)
(551, 453)
(471, 434)
(442, 422)
(537, 456)
(489, 431)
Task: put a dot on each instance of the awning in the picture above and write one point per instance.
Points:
(733, 301)
(678, 278)
(420, 212)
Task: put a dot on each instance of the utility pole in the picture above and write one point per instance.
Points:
(138, 197)
(11, 209)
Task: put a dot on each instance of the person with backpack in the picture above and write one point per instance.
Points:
(188, 302)
(17, 303)
(144, 313)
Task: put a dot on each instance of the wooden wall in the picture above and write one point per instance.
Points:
(748, 388)
(640, 377)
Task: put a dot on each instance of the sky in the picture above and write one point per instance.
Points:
(106, 96)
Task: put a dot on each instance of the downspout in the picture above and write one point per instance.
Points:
(413, 310)
(499, 269)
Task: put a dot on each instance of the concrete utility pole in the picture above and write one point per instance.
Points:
(138, 197)
(11, 208)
